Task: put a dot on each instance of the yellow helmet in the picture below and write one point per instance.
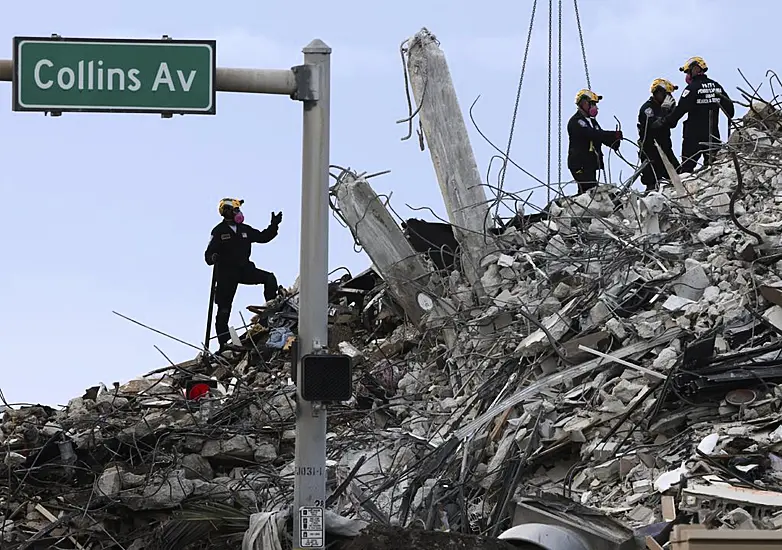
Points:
(587, 94)
(228, 202)
(694, 61)
(666, 85)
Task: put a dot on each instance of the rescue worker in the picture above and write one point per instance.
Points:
(229, 250)
(660, 104)
(586, 138)
(701, 101)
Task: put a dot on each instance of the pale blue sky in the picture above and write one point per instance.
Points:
(113, 212)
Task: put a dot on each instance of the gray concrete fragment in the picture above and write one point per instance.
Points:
(162, 493)
(239, 446)
(197, 467)
(693, 281)
(110, 482)
(614, 326)
(599, 313)
(676, 303)
(562, 291)
(556, 325)
(265, 452)
(711, 294)
(625, 390)
(711, 234)
(666, 360)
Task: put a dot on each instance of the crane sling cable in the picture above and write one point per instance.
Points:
(503, 170)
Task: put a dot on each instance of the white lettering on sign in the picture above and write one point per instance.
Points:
(186, 83)
(61, 78)
(311, 527)
(37, 74)
(133, 77)
(92, 75)
(164, 77)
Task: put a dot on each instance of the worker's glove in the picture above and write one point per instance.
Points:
(276, 218)
(659, 123)
(617, 140)
(213, 259)
(669, 104)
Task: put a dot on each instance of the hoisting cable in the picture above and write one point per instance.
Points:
(583, 49)
(550, 74)
(559, 104)
(584, 57)
(515, 111)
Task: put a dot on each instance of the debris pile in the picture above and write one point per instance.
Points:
(616, 363)
(626, 355)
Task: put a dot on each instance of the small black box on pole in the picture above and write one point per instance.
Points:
(326, 377)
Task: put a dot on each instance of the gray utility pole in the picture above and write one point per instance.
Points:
(310, 84)
(309, 490)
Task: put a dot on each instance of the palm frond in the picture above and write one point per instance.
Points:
(202, 522)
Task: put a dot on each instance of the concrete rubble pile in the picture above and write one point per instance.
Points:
(626, 355)
(617, 366)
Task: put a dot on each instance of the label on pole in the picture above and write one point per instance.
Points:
(312, 530)
(114, 75)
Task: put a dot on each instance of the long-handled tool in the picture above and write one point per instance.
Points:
(211, 306)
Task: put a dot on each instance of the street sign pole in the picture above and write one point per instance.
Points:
(309, 492)
(40, 85)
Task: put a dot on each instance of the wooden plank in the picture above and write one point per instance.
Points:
(676, 180)
(452, 155)
(668, 507)
(403, 270)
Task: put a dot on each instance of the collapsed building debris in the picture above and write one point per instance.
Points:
(452, 155)
(617, 374)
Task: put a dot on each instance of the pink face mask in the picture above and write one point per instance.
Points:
(593, 111)
(688, 78)
(239, 217)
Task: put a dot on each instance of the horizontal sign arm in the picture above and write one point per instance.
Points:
(257, 81)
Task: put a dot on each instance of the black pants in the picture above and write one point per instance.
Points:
(586, 179)
(655, 170)
(695, 147)
(228, 280)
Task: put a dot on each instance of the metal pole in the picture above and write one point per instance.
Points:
(6, 70)
(251, 81)
(310, 472)
(309, 492)
(212, 289)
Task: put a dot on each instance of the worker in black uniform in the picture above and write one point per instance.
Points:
(701, 100)
(586, 138)
(660, 104)
(229, 250)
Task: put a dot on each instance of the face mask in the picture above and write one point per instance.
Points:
(238, 217)
(593, 111)
(688, 78)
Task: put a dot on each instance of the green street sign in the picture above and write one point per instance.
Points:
(114, 75)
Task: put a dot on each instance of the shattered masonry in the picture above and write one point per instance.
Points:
(624, 366)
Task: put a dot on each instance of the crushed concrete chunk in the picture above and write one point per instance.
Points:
(711, 234)
(238, 446)
(693, 282)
